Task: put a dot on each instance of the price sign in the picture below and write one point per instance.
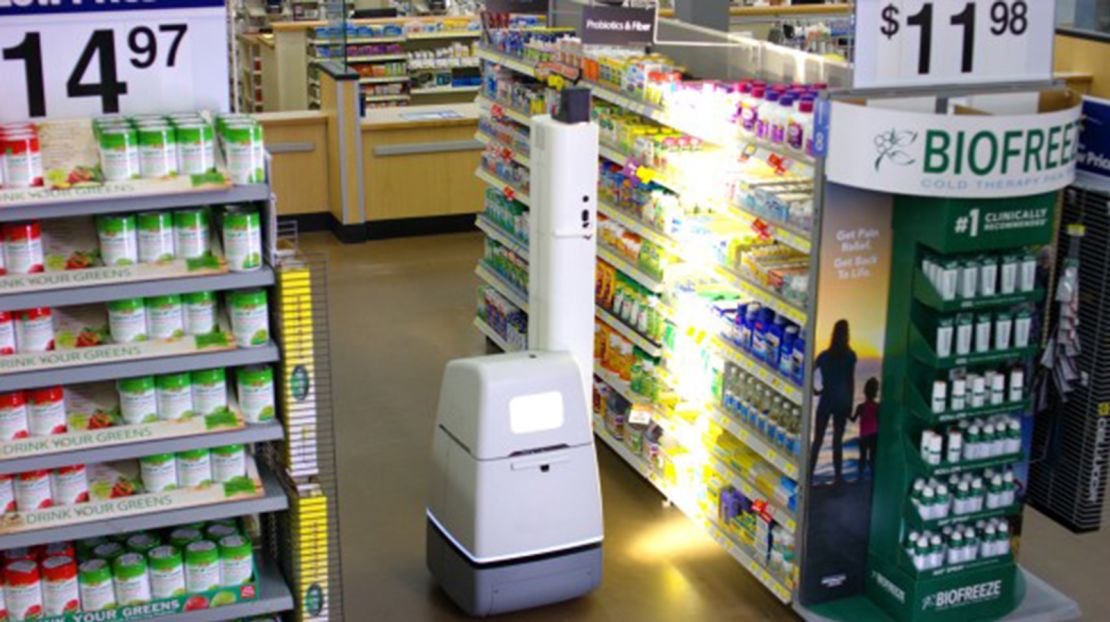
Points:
(935, 42)
(85, 58)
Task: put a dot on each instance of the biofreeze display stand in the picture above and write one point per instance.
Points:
(942, 218)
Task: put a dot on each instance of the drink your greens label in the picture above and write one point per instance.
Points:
(35, 361)
(962, 155)
(118, 435)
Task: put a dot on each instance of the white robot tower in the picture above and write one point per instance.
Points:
(514, 515)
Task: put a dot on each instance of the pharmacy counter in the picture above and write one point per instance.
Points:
(418, 167)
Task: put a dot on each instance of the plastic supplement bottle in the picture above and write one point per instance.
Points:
(95, 586)
(209, 391)
(167, 572)
(202, 566)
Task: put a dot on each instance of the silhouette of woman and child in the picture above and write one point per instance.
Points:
(837, 367)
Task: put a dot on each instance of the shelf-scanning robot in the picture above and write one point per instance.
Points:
(514, 515)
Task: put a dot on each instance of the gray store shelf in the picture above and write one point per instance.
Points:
(273, 597)
(133, 203)
(273, 500)
(137, 289)
(143, 367)
(258, 433)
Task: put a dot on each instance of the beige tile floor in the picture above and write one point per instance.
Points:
(400, 310)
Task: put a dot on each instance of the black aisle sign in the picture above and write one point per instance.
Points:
(532, 7)
(617, 26)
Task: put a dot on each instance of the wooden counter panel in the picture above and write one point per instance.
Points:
(300, 165)
(424, 184)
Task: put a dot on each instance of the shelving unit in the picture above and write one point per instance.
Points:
(507, 289)
(929, 227)
(106, 199)
(494, 181)
(298, 432)
(383, 79)
(272, 499)
(492, 335)
(108, 369)
(104, 284)
(685, 332)
(411, 49)
(444, 90)
(35, 457)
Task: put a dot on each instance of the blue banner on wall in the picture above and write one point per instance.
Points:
(1093, 161)
(11, 8)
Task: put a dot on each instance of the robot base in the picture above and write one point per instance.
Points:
(511, 585)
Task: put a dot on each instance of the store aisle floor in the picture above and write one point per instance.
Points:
(400, 310)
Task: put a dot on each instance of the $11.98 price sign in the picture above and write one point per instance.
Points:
(86, 58)
(938, 42)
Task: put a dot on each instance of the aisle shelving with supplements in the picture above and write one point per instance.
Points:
(702, 275)
(401, 61)
(139, 371)
(504, 129)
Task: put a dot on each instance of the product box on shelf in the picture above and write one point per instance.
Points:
(115, 490)
(135, 576)
(94, 421)
(149, 155)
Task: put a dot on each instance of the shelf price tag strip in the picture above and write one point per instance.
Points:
(755, 442)
(616, 324)
(507, 289)
(759, 370)
(495, 232)
(248, 487)
(774, 510)
(711, 528)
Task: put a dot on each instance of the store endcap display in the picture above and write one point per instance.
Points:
(139, 362)
(852, 457)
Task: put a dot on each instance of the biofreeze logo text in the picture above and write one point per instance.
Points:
(963, 596)
(987, 153)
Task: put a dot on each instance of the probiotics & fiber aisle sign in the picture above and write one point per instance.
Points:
(607, 25)
(86, 58)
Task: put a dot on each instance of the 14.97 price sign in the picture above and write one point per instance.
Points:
(86, 58)
(938, 42)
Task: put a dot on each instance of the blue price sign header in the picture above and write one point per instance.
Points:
(1094, 142)
(49, 7)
